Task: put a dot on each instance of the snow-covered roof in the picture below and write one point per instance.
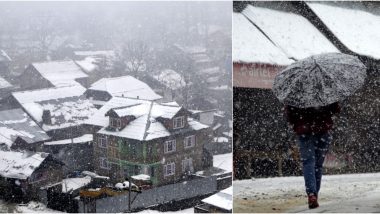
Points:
(146, 126)
(126, 86)
(211, 71)
(290, 32)
(4, 83)
(99, 117)
(48, 94)
(108, 53)
(70, 184)
(82, 139)
(88, 64)
(251, 46)
(170, 79)
(16, 123)
(222, 199)
(60, 73)
(358, 30)
(223, 161)
(4, 56)
(20, 165)
(191, 49)
(142, 177)
(67, 105)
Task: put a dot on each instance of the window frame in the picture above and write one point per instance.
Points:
(100, 143)
(193, 141)
(101, 165)
(174, 146)
(172, 169)
(175, 122)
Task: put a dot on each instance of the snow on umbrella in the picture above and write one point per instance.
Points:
(319, 80)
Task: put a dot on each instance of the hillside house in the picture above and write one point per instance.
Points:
(144, 137)
(125, 86)
(19, 132)
(22, 174)
(52, 74)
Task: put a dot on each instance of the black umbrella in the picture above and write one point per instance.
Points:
(319, 80)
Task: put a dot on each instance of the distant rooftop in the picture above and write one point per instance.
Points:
(60, 73)
(126, 86)
(16, 123)
(4, 83)
(20, 165)
(67, 105)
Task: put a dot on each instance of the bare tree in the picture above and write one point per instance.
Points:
(136, 57)
(45, 32)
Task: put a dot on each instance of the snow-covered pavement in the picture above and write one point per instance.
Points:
(339, 193)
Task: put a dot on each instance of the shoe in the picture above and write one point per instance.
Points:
(313, 201)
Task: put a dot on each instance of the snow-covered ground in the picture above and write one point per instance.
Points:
(356, 193)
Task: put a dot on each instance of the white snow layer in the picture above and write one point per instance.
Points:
(223, 161)
(356, 29)
(251, 46)
(146, 126)
(339, 193)
(64, 103)
(222, 199)
(60, 73)
(4, 83)
(19, 165)
(82, 139)
(125, 86)
(70, 184)
(292, 33)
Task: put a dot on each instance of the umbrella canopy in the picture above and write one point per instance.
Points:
(319, 80)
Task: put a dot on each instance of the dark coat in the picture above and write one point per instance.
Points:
(311, 120)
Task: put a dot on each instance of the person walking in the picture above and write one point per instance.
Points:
(312, 126)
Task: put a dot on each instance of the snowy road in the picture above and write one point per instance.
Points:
(339, 193)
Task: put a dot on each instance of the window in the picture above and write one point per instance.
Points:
(169, 169)
(189, 141)
(178, 122)
(104, 163)
(170, 146)
(187, 165)
(102, 142)
(115, 122)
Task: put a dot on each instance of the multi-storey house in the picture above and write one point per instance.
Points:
(158, 140)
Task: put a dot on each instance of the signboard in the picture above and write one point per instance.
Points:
(255, 75)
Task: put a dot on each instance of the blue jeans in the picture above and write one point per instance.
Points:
(313, 149)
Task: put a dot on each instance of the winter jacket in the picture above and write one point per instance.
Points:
(314, 120)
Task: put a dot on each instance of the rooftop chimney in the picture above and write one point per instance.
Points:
(46, 117)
